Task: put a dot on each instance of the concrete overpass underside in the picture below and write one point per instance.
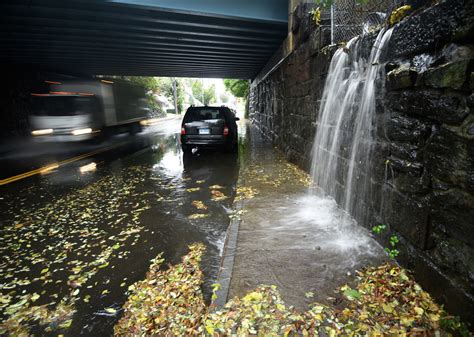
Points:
(230, 39)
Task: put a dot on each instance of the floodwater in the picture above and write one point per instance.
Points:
(76, 235)
(293, 235)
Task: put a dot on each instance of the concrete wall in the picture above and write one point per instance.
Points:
(422, 175)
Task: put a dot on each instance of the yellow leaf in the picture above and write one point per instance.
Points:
(434, 317)
(210, 330)
(419, 311)
(110, 310)
(199, 204)
(387, 308)
(198, 216)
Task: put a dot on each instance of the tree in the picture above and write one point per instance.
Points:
(238, 88)
(197, 89)
(166, 88)
(206, 95)
(210, 95)
(151, 85)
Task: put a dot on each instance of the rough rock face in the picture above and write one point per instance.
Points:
(422, 174)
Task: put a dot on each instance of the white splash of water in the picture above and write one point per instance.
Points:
(315, 222)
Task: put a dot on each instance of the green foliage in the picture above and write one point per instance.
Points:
(165, 87)
(210, 95)
(206, 95)
(352, 294)
(393, 240)
(215, 288)
(238, 88)
(378, 229)
(161, 86)
(454, 324)
(392, 252)
(197, 88)
(149, 83)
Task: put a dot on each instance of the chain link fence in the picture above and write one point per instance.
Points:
(349, 18)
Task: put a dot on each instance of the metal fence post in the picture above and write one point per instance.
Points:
(332, 24)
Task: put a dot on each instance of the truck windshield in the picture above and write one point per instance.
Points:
(63, 105)
(194, 115)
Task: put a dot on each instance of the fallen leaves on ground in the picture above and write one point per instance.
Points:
(166, 302)
(237, 214)
(199, 205)
(388, 295)
(193, 189)
(218, 195)
(385, 301)
(280, 172)
(198, 216)
(52, 257)
(246, 193)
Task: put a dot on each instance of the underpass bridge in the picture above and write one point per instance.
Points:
(179, 38)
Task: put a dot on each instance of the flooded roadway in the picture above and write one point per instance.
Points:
(76, 234)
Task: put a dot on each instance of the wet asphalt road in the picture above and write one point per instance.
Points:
(78, 233)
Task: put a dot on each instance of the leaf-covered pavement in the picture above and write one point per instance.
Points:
(386, 301)
(63, 257)
(51, 253)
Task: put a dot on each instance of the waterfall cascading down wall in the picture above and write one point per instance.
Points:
(345, 126)
(412, 165)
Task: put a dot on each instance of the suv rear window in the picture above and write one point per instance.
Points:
(193, 115)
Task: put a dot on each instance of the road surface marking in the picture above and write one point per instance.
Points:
(56, 165)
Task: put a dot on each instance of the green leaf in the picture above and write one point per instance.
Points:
(352, 294)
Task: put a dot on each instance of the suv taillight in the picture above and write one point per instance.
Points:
(183, 131)
(226, 131)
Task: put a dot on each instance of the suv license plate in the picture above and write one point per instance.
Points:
(204, 131)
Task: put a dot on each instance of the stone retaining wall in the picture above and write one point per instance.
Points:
(422, 176)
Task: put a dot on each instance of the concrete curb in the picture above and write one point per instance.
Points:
(227, 263)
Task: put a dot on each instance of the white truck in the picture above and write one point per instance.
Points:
(81, 110)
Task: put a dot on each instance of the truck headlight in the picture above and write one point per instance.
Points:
(147, 122)
(42, 132)
(81, 131)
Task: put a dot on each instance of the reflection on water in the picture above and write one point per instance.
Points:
(171, 163)
(77, 237)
